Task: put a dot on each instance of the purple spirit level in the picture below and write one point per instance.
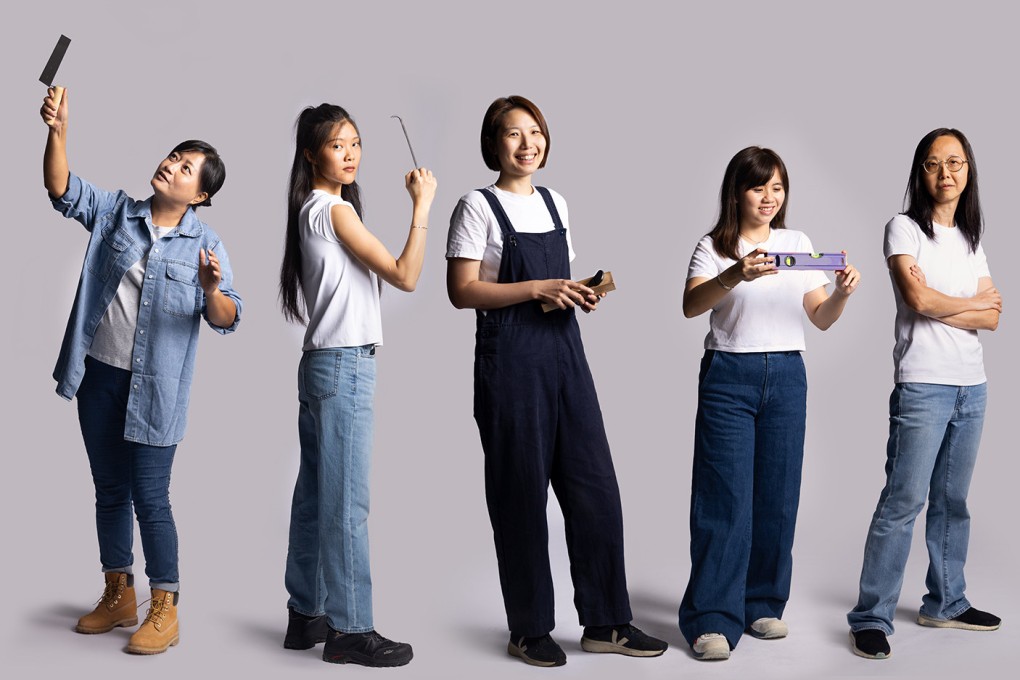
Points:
(825, 261)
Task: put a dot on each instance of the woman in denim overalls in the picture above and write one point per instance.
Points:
(535, 402)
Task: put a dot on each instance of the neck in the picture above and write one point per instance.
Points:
(944, 213)
(515, 185)
(320, 184)
(757, 233)
(167, 215)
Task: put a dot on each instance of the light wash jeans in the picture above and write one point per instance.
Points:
(934, 432)
(327, 559)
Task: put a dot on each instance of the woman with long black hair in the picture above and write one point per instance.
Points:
(330, 280)
(944, 296)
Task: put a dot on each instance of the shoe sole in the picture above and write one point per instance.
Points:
(863, 655)
(768, 635)
(303, 644)
(514, 650)
(368, 661)
(949, 623)
(123, 623)
(602, 647)
(148, 651)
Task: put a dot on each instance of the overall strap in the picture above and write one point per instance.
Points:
(497, 210)
(547, 197)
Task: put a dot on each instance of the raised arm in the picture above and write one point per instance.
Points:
(930, 302)
(55, 170)
(823, 309)
(401, 272)
(467, 291)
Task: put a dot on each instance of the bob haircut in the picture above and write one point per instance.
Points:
(315, 126)
(749, 168)
(492, 125)
(213, 171)
(919, 204)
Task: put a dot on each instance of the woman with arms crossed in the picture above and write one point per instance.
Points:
(329, 280)
(152, 271)
(537, 411)
(752, 401)
(944, 295)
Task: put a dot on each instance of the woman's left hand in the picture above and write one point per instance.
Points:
(591, 302)
(848, 279)
(208, 271)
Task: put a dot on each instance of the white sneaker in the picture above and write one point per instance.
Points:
(711, 647)
(769, 629)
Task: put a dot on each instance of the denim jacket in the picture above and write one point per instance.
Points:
(172, 301)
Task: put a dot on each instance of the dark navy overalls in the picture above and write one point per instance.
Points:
(540, 422)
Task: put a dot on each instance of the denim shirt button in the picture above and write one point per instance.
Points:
(145, 304)
(141, 331)
(136, 386)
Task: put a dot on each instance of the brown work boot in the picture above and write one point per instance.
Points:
(115, 608)
(159, 630)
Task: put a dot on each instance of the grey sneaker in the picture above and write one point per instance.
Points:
(711, 647)
(769, 628)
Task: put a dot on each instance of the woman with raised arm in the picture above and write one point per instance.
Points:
(509, 251)
(944, 296)
(752, 401)
(152, 271)
(330, 280)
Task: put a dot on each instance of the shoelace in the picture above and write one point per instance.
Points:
(111, 594)
(155, 613)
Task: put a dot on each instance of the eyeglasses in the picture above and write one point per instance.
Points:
(953, 164)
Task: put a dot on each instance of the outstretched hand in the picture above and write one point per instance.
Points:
(54, 114)
(849, 278)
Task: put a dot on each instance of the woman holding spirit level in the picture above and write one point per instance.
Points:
(752, 393)
(508, 252)
(944, 295)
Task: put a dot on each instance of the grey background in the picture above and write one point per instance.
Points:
(646, 103)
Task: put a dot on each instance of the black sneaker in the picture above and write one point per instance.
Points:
(870, 643)
(366, 649)
(625, 639)
(537, 651)
(970, 619)
(304, 632)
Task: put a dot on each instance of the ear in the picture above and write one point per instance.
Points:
(309, 157)
(200, 198)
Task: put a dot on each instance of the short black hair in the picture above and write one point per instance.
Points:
(213, 171)
(492, 125)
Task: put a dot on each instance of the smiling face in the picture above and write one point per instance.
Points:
(520, 146)
(336, 162)
(759, 205)
(178, 179)
(944, 186)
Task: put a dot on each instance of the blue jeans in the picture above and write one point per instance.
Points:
(934, 432)
(327, 559)
(126, 473)
(748, 450)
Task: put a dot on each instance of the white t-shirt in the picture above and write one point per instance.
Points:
(764, 315)
(475, 234)
(927, 350)
(341, 293)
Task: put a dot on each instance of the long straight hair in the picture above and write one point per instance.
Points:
(919, 204)
(749, 168)
(315, 127)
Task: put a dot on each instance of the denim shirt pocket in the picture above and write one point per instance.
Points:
(182, 296)
(112, 244)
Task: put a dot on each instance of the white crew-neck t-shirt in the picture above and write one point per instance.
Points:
(764, 315)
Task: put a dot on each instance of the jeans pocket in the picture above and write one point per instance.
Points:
(320, 374)
(706, 365)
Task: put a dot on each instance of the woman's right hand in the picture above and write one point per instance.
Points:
(989, 298)
(563, 293)
(754, 265)
(421, 184)
(54, 115)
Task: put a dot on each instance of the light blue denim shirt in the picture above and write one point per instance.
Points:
(172, 301)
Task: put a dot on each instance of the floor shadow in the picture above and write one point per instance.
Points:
(58, 616)
(656, 614)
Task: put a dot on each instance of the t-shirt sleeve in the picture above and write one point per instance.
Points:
(320, 217)
(469, 231)
(704, 263)
(981, 263)
(901, 237)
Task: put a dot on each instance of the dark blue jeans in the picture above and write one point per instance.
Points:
(748, 449)
(126, 473)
